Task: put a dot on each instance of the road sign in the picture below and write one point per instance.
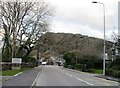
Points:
(16, 60)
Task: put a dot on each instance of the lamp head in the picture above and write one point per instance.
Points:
(94, 2)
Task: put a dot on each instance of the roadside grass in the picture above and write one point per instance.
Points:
(98, 71)
(13, 72)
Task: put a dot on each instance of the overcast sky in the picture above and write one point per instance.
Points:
(84, 17)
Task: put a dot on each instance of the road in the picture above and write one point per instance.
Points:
(59, 76)
(24, 79)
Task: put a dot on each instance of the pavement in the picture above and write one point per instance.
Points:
(25, 79)
(59, 76)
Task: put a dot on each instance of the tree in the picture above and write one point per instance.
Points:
(116, 45)
(23, 24)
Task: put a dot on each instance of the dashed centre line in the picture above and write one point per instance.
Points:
(75, 77)
(68, 74)
(85, 81)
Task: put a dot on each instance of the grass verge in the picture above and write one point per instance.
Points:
(13, 72)
(95, 71)
(98, 71)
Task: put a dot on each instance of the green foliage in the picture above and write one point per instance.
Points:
(84, 63)
(113, 68)
(91, 61)
(115, 64)
(28, 59)
(89, 65)
(69, 57)
(65, 65)
(78, 66)
(112, 72)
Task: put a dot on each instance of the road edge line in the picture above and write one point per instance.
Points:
(36, 78)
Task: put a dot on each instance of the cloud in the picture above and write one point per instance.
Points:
(74, 28)
(84, 17)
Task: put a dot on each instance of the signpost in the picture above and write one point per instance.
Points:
(16, 63)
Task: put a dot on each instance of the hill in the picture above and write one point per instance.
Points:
(60, 43)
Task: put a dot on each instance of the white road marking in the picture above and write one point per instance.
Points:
(75, 77)
(34, 82)
(17, 74)
(68, 74)
(59, 70)
(80, 79)
(85, 82)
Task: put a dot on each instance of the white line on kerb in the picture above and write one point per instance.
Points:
(17, 74)
(85, 81)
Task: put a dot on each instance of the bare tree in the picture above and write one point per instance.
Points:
(23, 23)
(116, 45)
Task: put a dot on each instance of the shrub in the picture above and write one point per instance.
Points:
(113, 68)
(78, 66)
(65, 65)
(69, 58)
(91, 61)
(29, 61)
(112, 72)
(89, 65)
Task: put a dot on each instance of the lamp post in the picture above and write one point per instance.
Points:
(104, 35)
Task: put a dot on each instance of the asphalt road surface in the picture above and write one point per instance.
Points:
(59, 76)
(24, 79)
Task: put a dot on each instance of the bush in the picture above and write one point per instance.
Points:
(91, 61)
(112, 72)
(65, 65)
(109, 72)
(113, 68)
(69, 58)
(89, 65)
(78, 66)
(28, 61)
(118, 72)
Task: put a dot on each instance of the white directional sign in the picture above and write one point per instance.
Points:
(17, 60)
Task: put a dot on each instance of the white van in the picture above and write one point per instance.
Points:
(44, 63)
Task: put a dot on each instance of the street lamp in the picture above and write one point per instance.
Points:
(104, 35)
